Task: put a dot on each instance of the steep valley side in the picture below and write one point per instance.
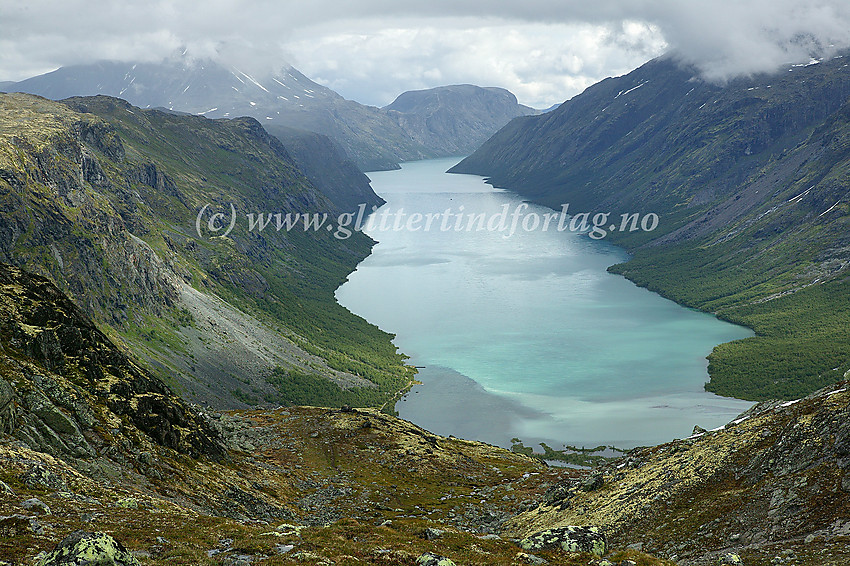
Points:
(103, 197)
(751, 182)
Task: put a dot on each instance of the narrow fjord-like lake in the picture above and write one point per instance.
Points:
(527, 335)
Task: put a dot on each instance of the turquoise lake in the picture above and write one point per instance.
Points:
(527, 335)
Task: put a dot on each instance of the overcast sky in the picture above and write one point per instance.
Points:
(544, 51)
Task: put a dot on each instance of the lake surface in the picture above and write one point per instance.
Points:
(526, 334)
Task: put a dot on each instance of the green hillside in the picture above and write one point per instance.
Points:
(751, 182)
(103, 198)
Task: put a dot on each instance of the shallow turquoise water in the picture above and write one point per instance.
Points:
(528, 335)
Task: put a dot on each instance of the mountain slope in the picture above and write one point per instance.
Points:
(104, 198)
(325, 163)
(455, 120)
(772, 486)
(751, 184)
(373, 138)
(206, 88)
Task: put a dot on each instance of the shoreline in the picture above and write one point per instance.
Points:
(448, 402)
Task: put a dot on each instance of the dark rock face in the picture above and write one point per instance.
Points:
(7, 409)
(68, 365)
(81, 547)
(569, 539)
(592, 482)
(69, 214)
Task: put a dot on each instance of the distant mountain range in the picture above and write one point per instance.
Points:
(432, 123)
(751, 182)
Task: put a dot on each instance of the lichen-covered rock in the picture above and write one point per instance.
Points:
(17, 525)
(569, 539)
(127, 503)
(37, 505)
(731, 559)
(81, 549)
(432, 534)
(40, 476)
(526, 558)
(41, 406)
(431, 559)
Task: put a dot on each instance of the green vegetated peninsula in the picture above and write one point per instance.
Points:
(750, 181)
(103, 198)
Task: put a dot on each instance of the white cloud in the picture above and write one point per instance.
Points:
(543, 50)
(541, 63)
(733, 38)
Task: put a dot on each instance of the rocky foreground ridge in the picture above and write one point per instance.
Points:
(100, 459)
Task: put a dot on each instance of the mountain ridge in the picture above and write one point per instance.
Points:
(455, 119)
(373, 138)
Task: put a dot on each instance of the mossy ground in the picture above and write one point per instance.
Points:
(768, 485)
(365, 486)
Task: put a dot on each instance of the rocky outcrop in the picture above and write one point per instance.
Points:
(80, 548)
(7, 407)
(65, 373)
(568, 539)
